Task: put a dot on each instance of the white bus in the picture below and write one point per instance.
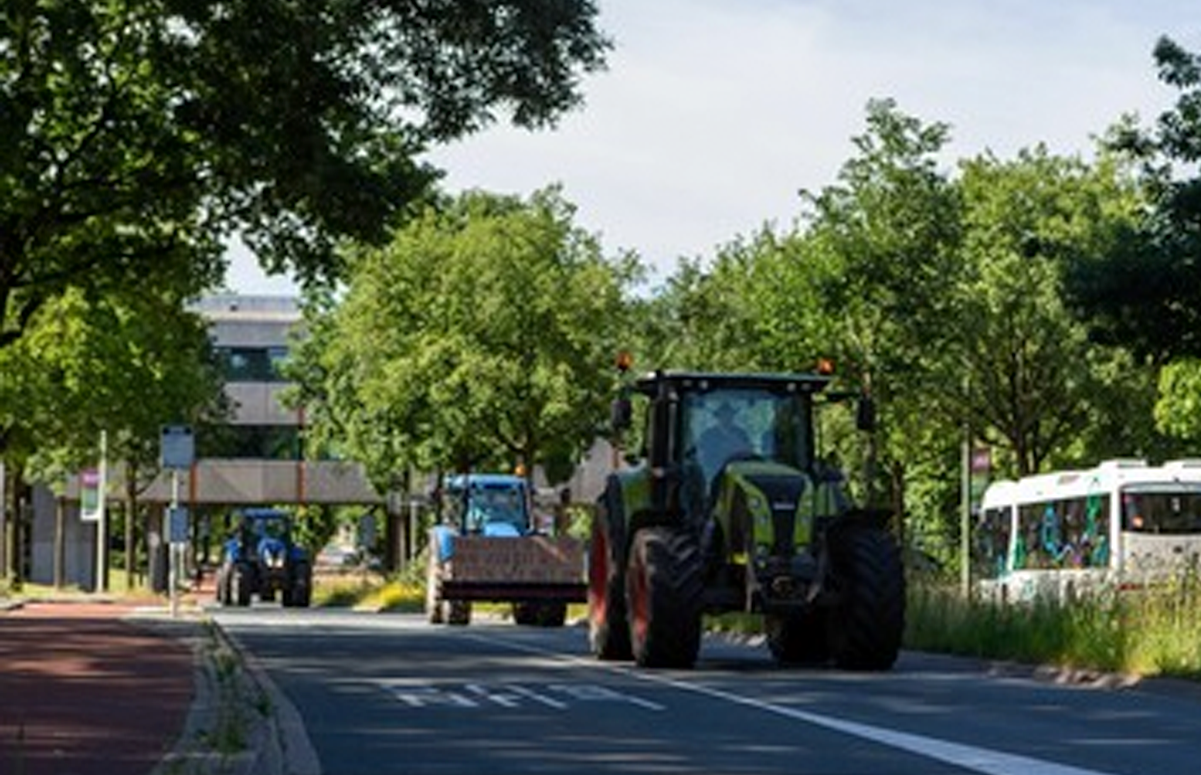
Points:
(1122, 523)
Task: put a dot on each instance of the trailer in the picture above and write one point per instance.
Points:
(487, 548)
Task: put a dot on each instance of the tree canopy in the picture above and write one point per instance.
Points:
(136, 137)
(482, 336)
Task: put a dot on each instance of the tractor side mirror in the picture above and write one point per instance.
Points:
(865, 414)
(620, 414)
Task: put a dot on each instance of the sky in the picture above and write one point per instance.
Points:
(713, 114)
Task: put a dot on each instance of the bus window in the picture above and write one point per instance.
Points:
(1168, 513)
(991, 543)
(1067, 533)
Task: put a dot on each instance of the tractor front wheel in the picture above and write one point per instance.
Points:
(664, 585)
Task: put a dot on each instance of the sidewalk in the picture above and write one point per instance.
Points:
(90, 686)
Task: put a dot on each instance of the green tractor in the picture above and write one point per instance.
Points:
(730, 509)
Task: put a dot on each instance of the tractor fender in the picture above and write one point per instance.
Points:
(442, 542)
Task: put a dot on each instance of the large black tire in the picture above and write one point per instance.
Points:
(868, 622)
(525, 613)
(799, 638)
(551, 614)
(299, 592)
(458, 612)
(608, 630)
(241, 584)
(664, 587)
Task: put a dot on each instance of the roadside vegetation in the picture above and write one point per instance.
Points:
(1147, 632)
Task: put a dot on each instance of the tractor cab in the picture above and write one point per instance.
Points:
(487, 504)
(700, 425)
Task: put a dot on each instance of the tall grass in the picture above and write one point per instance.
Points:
(1155, 631)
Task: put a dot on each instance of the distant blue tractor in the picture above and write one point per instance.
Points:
(487, 548)
(262, 559)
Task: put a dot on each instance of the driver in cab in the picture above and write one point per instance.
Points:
(722, 440)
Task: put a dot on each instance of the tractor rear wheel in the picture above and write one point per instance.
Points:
(664, 585)
(299, 592)
(608, 631)
(798, 638)
(867, 623)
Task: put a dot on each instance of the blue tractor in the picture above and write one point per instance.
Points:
(487, 548)
(261, 558)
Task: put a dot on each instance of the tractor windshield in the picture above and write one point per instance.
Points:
(485, 503)
(721, 425)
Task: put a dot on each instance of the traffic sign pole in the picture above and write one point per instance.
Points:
(178, 452)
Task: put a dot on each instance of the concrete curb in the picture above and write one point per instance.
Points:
(233, 691)
(286, 748)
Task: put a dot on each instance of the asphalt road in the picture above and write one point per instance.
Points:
(386, 693)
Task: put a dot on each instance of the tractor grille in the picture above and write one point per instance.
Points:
(783, 495)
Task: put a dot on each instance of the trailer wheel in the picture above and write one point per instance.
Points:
(664, 586)
(551, 614)
(867, 623)
(608, 630)
(458, 612)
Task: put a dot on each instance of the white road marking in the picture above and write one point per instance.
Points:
(423, 695)
(596, 693)
(504, 700)
(542, 698)
(969, 757)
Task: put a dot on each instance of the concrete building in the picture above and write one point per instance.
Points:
(258, 459)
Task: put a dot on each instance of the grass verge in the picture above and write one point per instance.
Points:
(1145, 632)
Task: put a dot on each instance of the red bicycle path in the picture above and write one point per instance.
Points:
(88, 689)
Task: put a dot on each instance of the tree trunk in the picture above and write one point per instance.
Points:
(60, 541)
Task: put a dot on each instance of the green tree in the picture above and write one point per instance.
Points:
(880, 250)
(123, 364)
(1146, 294)
(1036, 385)
(136, 137)
(482, 336)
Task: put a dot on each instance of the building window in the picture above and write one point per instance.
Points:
(255, 442)
(252, 364)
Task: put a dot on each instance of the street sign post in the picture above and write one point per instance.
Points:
(177, 453)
